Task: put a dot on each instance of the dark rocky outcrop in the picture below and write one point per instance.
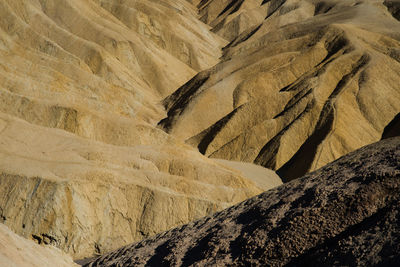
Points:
(344, 214)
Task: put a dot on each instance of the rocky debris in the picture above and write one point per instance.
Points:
(344, 214)
(312, 81)
(16, 251)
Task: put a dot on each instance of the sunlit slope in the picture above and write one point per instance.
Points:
(312, 82)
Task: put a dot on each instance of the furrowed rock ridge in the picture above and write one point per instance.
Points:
(303, 84)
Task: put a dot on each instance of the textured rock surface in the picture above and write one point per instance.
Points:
(16, 251)
(75, 66)
(345, 214)
(311, 82)
(82, 165)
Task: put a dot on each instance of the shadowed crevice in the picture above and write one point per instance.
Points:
(267, 155)
(213, 131)
(393, 128)
(175, 104)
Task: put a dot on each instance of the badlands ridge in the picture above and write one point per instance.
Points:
(121, 119)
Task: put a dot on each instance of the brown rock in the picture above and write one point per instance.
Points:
(83, 166)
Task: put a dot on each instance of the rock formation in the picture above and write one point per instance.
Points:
(345, 214)
(16, 251)
(106, 107)
(308, 83)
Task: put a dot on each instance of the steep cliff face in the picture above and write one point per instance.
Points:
(83, 166)
(345, 214)
(311, 82)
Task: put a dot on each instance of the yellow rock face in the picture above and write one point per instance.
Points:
(311, 82)
(82, 165)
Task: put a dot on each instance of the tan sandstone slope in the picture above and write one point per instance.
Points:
(310, 82)
(16, 251)
(82, 165)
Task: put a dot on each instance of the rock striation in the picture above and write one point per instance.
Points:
(344, 214)
(310, 82)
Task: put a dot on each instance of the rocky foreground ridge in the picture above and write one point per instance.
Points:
(345, 214)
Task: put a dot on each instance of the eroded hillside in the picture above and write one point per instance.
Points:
(306, 84)
(83, 166)
(106, 107)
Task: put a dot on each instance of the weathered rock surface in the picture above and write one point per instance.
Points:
(86, 197)
(82, 165)
(16, 251)
(311, 82)
(345, 214)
